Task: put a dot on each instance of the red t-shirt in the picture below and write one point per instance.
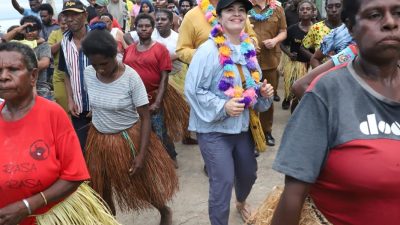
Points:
(114, 24)
(36, 151)
(149, 64)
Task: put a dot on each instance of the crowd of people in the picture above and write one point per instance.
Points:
(93, 102)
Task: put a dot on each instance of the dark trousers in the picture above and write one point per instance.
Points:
(81, 126)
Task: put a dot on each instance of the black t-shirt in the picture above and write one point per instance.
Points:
(292, 17)
(295, 36)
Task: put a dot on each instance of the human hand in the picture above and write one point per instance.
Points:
(13, 213)
(154, 108)
(89, 114)
(270, 43)
(233, 107)
(137, 164)
(73, 108)
(266, 89)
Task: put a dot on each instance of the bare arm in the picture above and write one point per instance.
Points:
(292, 199)
(271, 43)
(161, 91)
(305, 52)
(128, 39)
(317, 58)
(301, 85)
(55, 48)
(12, 33)
(17, 7)
(15, 212)
(145, 129)
(43, 63)
(72, 107)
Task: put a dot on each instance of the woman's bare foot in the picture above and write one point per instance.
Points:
(166, 216)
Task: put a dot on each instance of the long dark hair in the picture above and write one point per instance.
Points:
(148, 3)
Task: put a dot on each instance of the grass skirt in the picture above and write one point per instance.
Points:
(109, 159)
(83, 207)
(176, 114)
(292, 71)
(178, 80)
(310, 215)
(283, 61)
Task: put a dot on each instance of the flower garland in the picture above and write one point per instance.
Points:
(226, 84)
(209, 12)
(263, 16)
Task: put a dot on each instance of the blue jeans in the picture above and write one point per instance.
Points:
(230, 161)
(158, 126)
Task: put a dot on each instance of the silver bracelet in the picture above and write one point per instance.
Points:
(27, 206)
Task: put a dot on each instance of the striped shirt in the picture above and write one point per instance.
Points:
(73, 62)
(114, 104)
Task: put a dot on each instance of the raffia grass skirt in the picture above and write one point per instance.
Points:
(283, 61)
(109, 159)
(176, 114)
(83, 207)
(310, 215)
(292, 71)
(178, 80)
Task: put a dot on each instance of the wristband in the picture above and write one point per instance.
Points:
(44, 198)
(27, 206)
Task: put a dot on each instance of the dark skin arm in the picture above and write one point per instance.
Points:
(55, 48)
(12, 33)
(14, 213)
(317, 58)
(286, 50)
(301, 85)
(128, 39)
(292, 199)
(17, 7)
(305, 52)
(155, 107)
(145, 129)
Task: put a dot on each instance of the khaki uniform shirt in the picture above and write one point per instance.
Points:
(268, 29)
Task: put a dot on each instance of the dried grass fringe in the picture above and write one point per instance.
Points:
(310, 215)
(109, 158)
(83, 207)
(293, 70)
(176, 114)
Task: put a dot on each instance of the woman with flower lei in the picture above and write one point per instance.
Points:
(220, 101)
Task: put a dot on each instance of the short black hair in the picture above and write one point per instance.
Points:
(46, 7)
(143, 16)
(168, 13)
(32, 19)
(181, 1)
(100, 42)
(305, 1)
(326, 2)
(171, 1)
(108, 15)
(350, 10)
(28, 55)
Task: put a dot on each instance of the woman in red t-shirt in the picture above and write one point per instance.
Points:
(40, 157)
(152, 62)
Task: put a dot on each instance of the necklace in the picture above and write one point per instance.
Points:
(265, 15)
(226, 84)
(209, 12)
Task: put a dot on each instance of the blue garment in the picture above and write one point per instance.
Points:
(207, 113)
(337, 40)
(230, 162)
(30, 12)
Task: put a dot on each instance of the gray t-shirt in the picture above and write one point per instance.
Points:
(43, 86)
(114, 104)
(339, 110)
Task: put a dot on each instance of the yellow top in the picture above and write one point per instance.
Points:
(315, 35)
(32, 44)
(194, 31)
